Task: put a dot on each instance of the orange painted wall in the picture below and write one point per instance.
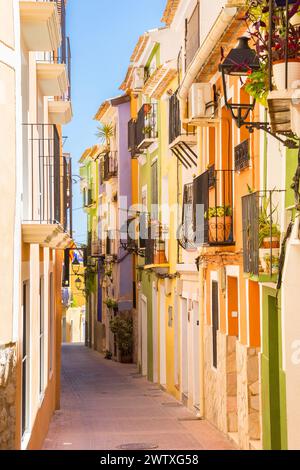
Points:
(254, 314)
(232, 306)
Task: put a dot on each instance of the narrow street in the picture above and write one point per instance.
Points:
(105, 405)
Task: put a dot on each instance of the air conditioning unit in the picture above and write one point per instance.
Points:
(138, 78)
(200, 96)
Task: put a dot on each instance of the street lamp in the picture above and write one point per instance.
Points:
(240, 61)
(75, 265)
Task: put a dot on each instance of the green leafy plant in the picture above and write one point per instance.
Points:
(218, 211)
(264, 224)
(257, 85)
(257, 19)
(111, 303)
(123, 329)
(147, 130)
(105, 132)
(107, 355)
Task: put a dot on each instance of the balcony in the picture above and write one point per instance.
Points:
(146, 126)
(182, 142)
(88, 200)
(132, 138)
(44, 221)
(261, 234)
(155, 253)
(40, 25)
(52, 76)
(67, 193)
(60, 109)
(213, 210)
(110, 165)
(97, 248)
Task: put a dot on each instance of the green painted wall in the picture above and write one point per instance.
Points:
(291, 166)
(272, 374)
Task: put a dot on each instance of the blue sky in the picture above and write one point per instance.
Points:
(103, 35)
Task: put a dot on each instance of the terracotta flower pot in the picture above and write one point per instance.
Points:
(279, 73)
(219, 228)
(160, 257)
(269, 242)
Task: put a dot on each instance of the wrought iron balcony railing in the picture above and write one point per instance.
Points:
(146, 126)
(213, 208)
(110, 165)
(42, 174)
(261, 233)
(132, 138)
(67, 192)
(155, 252)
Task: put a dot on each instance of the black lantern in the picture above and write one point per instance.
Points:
(240, 61)
(78, 283)
(75, 266)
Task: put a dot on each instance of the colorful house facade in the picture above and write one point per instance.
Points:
(214, 259)
(35, 103)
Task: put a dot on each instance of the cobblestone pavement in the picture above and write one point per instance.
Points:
(105, 405)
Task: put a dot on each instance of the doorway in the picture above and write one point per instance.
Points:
(231, 369)
(195, 326)
(184, 350)
(155, 334)
(144, 335)
(162, 339)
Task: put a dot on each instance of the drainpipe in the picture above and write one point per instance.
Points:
(221, 24)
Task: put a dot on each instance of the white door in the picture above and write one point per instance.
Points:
(195, 354)
(144, 336)
(162, 338)
(155, 334)
(184, 348)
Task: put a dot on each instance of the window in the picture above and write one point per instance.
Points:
(42, 335)
(25, 358)
(215, 320)
(51, 336)
(154, 191)
(192, 36)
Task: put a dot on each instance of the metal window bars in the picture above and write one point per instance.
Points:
(42, 174)
(213, 207)
(146, 125)
(261, 232)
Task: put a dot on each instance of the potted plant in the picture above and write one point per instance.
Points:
(122, 328)
(160, 252)
(147, 108)
(268, 236)
(272, 264)
(257, 18)
(147, 130)
(219, 223)
(111, 304)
